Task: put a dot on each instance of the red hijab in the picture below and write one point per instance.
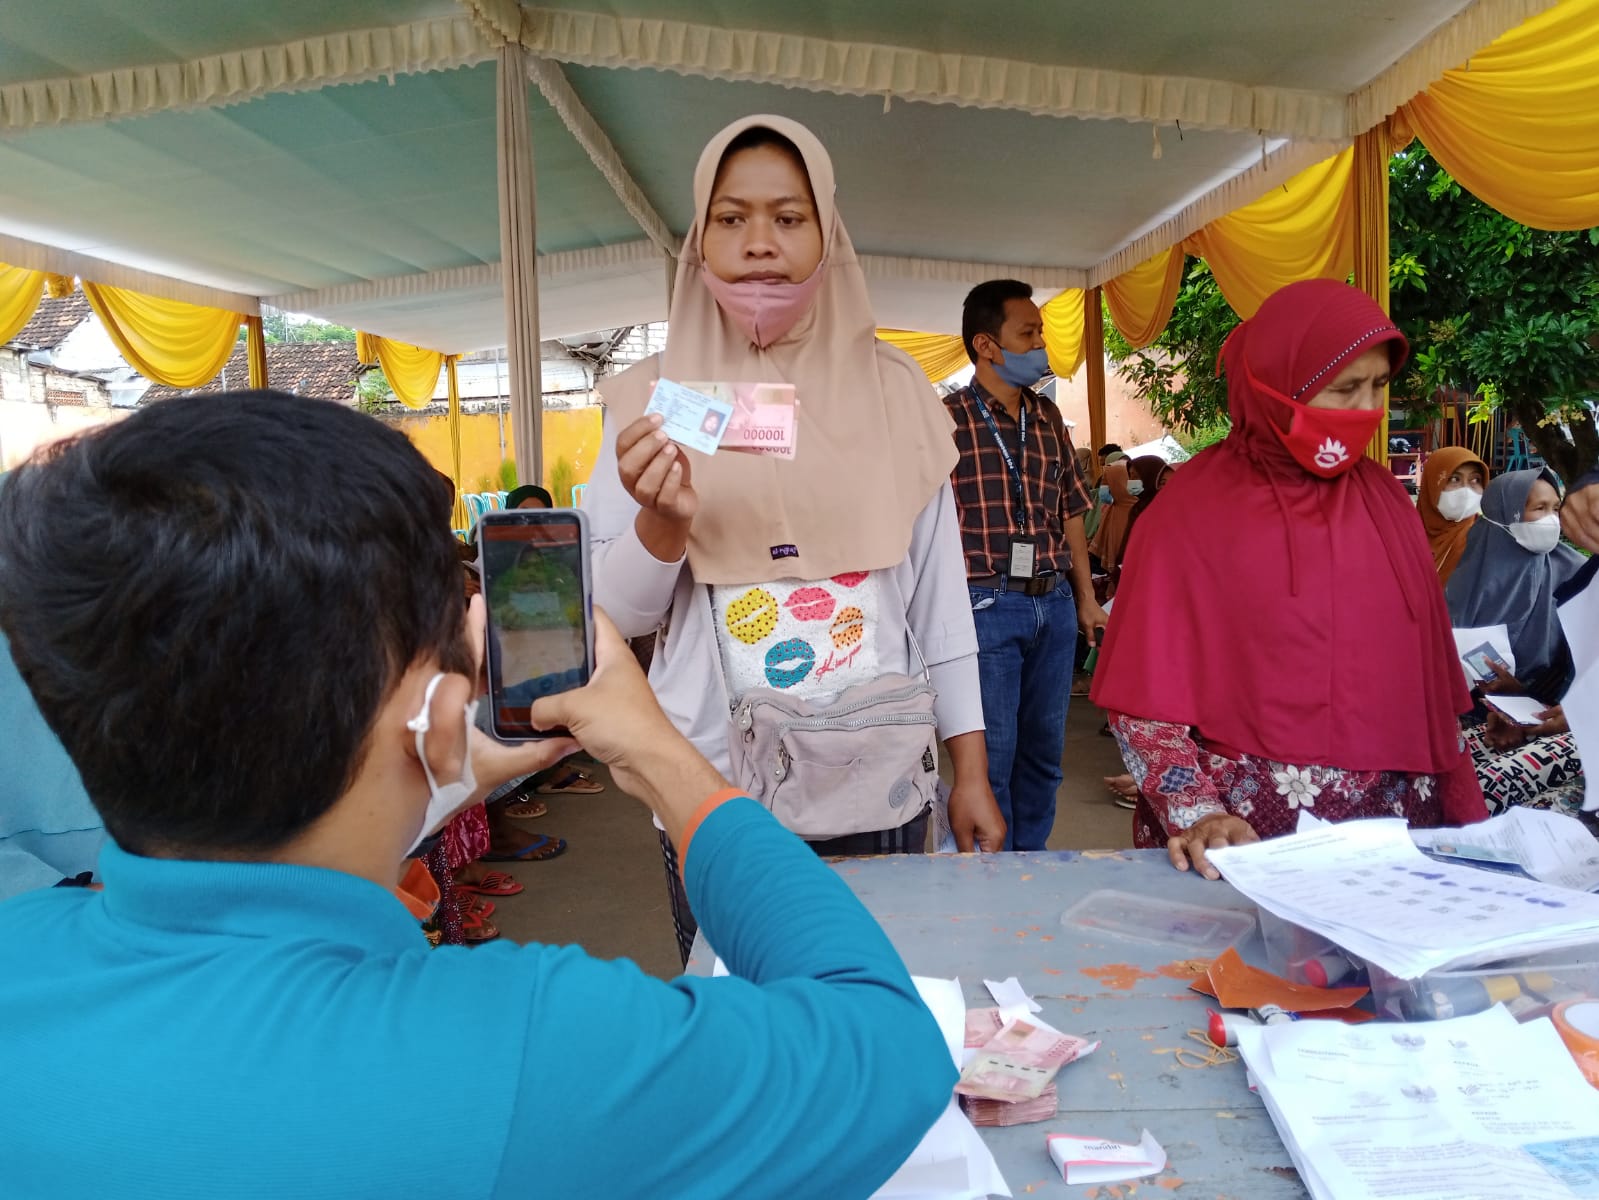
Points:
(1283, 615)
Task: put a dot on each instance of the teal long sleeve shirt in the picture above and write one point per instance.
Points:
(207, 1029)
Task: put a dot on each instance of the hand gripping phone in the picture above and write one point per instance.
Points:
(538, 590)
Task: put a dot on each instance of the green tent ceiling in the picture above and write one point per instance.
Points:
(339, 156)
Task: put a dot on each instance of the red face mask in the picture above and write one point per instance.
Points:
(1327, 442)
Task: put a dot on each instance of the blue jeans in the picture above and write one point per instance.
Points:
(1025, 649)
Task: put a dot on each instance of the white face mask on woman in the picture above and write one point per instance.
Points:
(1459, 504)
(1536, 537)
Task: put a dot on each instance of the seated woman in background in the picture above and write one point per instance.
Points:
(1085, 465)
(1449, 497)
(1280, 642)
(1150, 474)
(1118, 495)
(1512, 564)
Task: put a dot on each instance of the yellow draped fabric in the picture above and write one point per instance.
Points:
(458, 515)
(180, 345)
(412, 372)
(939, 355)
(1141, 300)
(20, 293)
(1519, 125)
(1063, 332)
(1302, 230)
(59, 287)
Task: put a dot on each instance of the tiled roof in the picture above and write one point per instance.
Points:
(327, 370)
(52, 321)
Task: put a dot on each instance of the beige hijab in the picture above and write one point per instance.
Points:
(874, 443)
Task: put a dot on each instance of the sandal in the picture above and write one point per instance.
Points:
(526, 810)
(1123, 789)
(493, 883)
(540, 849)
(476, 928)
(467, 903)
(571, 782)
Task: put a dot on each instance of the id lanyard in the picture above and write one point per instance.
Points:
(1018, 487)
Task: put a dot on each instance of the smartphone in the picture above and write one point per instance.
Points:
(539, 593)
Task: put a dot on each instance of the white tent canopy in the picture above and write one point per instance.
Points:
(338, 157)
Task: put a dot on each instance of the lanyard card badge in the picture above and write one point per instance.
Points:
(1023, 557)
(764, 417)
(1023, 562)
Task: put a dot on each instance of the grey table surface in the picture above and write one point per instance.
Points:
(991, 916)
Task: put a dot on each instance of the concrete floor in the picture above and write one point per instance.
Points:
(608, 891)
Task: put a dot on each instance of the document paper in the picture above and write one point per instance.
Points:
(1365, 886)
(1476, 1108)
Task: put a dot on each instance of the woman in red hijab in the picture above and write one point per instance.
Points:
(1280, 642)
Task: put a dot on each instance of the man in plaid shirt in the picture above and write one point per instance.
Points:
(1021, 499)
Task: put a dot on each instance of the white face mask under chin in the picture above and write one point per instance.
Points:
(1536, 537)
(1460, 504)
(443, 801)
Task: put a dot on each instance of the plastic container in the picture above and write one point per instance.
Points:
(1528, 987)
(1200, 932)
(1301, 956)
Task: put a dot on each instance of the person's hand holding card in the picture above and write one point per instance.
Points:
(688, 417)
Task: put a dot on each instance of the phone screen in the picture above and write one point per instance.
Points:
(535, 568)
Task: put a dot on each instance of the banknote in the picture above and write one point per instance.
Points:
(688, 417)
(982, 1111)
(1019, 1061)
(764, 416)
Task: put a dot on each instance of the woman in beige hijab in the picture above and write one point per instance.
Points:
(1110, 539)
(811, 575)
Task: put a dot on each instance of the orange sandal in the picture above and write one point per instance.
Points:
(475, 928)
(493, 883)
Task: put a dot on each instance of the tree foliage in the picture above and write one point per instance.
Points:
(1176, 374)
(1492, 308)
(1496, 309)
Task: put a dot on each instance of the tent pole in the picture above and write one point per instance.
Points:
(1371, 238)
(1094, 358)
(519, 264)
(255, 352)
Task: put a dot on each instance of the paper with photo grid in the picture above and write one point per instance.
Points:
(1366, 887)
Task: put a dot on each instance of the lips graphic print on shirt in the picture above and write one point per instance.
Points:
(811, 639)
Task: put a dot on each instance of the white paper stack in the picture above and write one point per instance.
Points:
(1365, 886)
(1476, 1108)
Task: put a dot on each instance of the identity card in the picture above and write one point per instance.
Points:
(690, 418)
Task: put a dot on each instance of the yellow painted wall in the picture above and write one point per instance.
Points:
(571, 444)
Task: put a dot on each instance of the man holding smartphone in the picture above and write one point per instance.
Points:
(248, 976)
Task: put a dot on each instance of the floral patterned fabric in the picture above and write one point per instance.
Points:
(466, 837)
(1180, 782)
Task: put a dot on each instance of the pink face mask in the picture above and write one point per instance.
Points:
(764, 311)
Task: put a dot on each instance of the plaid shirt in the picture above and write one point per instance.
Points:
(1053, 486)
